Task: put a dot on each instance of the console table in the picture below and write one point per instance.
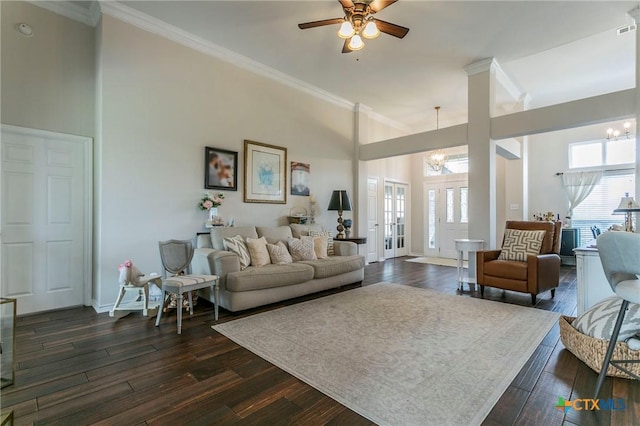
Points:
(592, 285)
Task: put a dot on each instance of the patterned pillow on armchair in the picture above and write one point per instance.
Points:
(519, 244)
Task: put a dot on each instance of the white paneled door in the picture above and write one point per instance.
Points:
(395, 220)
(373, 222)
(46, 219)
(446, 217)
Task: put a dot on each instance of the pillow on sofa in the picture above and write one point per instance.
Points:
(320, 244)
(302, 249)
(329, 235)
(519, 244)
(258, 251)
(279, 254)
(239, 247)
(598, 320)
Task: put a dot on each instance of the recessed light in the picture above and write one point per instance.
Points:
(25, 29)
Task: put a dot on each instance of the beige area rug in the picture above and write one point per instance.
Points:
(400, 355)
(440, 261)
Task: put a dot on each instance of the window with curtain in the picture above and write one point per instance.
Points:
(597, 208)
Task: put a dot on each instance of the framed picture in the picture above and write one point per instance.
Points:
(265, 173)
(220, 169)
(300, 178)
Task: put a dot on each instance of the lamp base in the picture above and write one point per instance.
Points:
(340, 226)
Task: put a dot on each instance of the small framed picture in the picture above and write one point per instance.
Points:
(265, 173)
(300, 177)
(220, 169)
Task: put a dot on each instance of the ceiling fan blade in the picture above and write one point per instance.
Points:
(346, 4)
(322, 23)
(345, 47)
(391, 29)
(378, 5)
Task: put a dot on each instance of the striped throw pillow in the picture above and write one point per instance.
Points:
(598, 320)
(518, 244)
(237, 246)
(329, 235)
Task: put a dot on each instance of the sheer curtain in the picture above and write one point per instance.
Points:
(578, 185)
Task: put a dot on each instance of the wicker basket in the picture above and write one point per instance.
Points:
(592, 351)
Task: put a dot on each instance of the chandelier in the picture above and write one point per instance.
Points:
(614, 134)
(438, 158)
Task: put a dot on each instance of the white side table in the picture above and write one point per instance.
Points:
(470, 246)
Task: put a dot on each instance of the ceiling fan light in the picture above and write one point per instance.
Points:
(346, 30)
(371, 30)
(356, 43)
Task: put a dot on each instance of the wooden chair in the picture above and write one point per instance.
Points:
(538, 274)
(176, 257)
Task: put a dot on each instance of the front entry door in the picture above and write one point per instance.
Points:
(446, 216)
(46, 219)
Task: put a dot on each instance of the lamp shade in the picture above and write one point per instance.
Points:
(340, 201)
(627, 204)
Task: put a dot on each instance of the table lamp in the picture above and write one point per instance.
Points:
(339, 202)
(627, 206)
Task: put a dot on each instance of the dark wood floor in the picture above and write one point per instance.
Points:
(78, 367)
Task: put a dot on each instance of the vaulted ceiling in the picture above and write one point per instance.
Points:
(552, 50)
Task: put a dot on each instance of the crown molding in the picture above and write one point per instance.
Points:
(168, 31)
(73, 11)
(480, 66)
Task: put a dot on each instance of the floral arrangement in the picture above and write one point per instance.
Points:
(209, 201)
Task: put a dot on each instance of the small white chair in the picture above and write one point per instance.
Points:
(176, 257)
(620, 256)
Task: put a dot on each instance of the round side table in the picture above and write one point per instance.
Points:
(470, 246)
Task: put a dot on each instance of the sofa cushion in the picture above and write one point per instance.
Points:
(303, 230)
(519, 244)
(301, 249)
(330, 249)
(320, 244)
(219, 233)
(258, 251)
(506, 269)
(273, 234)
(237, 246)
(279, 253)
(269, 276)
(335, 265)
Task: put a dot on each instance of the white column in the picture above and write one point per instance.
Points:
(482, 153)
(359, 196)
(635, 13)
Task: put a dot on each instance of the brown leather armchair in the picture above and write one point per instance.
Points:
(538, 274)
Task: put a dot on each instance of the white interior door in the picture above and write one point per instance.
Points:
(395, 220)
(373, 224)
(446, 216)
(46, 183)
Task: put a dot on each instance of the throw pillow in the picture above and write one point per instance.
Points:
(598, 320)
(258, 251)
(319, 245)
(519, 244)
(301, 249)
(329, 235)
(239, 247)
(279, 253)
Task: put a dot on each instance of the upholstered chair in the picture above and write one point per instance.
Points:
(620, 257)
(532, 273)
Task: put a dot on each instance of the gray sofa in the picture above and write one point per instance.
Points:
(252, 287)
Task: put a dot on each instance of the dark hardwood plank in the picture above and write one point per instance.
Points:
(78, 367)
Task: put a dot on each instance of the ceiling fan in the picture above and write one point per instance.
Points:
(359, 22)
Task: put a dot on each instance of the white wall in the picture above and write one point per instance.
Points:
(47, 79)
(161, 103)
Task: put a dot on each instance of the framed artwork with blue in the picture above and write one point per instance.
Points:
(265, 173)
